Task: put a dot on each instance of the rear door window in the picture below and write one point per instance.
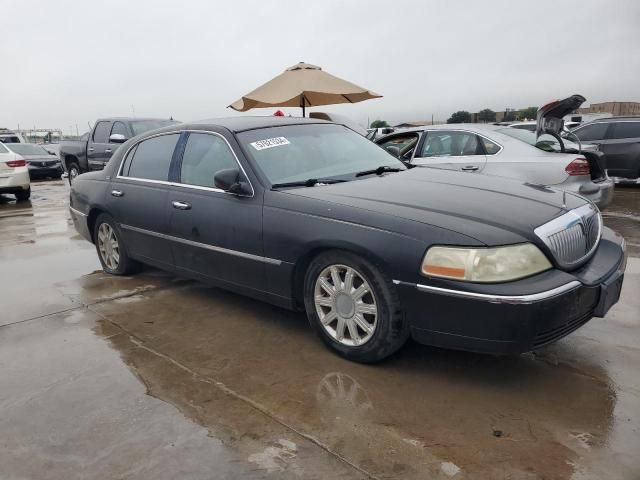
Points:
(595, 131)
(451, 144)
(152, 158)
(625, 130)
(101, 132)
(204, 156)
(490, 147)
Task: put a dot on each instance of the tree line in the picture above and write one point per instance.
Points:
(487, 115)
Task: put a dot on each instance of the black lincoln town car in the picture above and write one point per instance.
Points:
(309, 215)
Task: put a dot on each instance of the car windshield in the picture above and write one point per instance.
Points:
(141, 126)
(28, 149)
(321, 151)
(546, 142)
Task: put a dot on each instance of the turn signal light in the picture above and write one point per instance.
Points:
(580, 166)
(16, 163)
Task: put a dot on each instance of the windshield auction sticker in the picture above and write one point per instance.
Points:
(270, 143)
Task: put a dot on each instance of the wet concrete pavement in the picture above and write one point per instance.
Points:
(153, 376)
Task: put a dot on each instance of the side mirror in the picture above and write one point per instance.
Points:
(117, 138)
(230, 180)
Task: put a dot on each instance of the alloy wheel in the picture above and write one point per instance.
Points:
(73, 173)
(346, 305)
(108, 246)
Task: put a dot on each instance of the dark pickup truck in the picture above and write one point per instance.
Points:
(94, 149)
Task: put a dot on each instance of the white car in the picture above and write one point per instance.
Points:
(14, 174)
(9, 136)
(506, 152)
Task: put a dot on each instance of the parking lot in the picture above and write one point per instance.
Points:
(158, 377)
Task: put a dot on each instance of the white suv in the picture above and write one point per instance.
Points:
(14, 174)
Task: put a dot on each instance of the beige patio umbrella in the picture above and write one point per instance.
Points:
(303, 85)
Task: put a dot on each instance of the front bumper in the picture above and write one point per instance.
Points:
(518, 316)
(37, 171)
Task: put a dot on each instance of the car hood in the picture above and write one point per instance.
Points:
(489, 209)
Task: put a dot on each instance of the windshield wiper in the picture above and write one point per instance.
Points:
(311, 182)
(379, 171)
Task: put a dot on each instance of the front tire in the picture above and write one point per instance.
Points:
(23, 195)
(74, 171)
(110, 247)
(353, 306)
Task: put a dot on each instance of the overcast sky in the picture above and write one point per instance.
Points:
(69, 62)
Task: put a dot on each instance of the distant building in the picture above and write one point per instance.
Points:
(615, 109)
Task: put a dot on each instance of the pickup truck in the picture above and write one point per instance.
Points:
(94, 149)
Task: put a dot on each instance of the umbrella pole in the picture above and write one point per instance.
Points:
(302, 104)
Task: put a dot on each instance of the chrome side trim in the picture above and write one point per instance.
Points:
(511, 299)
(77, 212)
(191, 243)
(185, 185)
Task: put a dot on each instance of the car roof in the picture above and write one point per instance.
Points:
(131, 119)
(614, 119)
(243, 123)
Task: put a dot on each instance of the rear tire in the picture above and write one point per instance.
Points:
(362, 327)
(74, 171)
(110, 247)
(23, 195)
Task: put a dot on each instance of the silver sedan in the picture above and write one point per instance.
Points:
(506, 152)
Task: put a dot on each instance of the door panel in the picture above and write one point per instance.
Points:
(142, 210)
(221, 233)
(98, 145)
(139, 199)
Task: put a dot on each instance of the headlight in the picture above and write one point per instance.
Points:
(499, 264)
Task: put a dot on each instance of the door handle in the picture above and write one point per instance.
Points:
(90, 149)
(117, 193)
(108, 150)
(181, 205)
(470, 168)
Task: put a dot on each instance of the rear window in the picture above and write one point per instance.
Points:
(28, 149)
(152, 158)
(626, 130)
(9, 140)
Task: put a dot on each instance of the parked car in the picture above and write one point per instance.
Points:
(40, 162)
(14, 175)
(310, 215)
(619, 139)
(505, 152)
(9, 136)
(94, 151)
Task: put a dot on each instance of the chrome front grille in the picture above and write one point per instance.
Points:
(572, 237)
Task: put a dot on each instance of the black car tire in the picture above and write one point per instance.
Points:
(391, 330)
(23, 195)
(125, 265)
(71, 167)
